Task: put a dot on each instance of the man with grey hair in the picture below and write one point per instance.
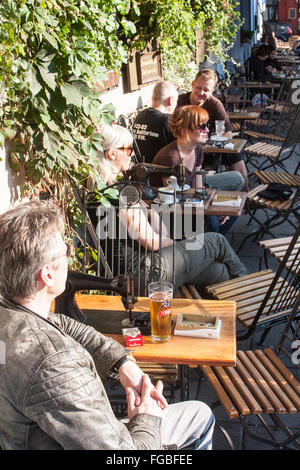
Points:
(51, 391)
(151, 127)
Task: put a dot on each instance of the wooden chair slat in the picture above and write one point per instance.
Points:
(221, 393)
(290, 398)
(234, 393)
(260, 276)
(283, 401)
(240, 385)
(283, 370)
(262, 383)
(256, 390)
(277, 177)
(261, 135)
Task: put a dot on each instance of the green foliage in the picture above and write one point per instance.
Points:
(53, 53)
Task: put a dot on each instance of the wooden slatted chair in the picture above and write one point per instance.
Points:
(263, 155)
(276, 212)
(261, 385)
(263, 298)
(277, 249)
(275, 127)
(263, 136)
(289, 179)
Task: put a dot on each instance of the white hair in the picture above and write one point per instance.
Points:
(114, 136)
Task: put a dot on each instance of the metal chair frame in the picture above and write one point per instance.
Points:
(277, 302)
(263, 156)
(244, 391)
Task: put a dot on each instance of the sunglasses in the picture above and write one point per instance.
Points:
(203, 126)
(129, 150)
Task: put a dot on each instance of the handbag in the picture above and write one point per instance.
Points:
(276, 191)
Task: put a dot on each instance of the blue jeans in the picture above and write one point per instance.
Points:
(213, 224)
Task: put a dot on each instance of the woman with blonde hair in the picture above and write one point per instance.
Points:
(203, 260)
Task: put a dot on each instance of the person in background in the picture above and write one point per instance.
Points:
(151, 128)
(189, 124)
(209, 258)
(201, 95)
(272, 65)
(257, 66)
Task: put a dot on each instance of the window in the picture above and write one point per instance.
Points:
(292, 13)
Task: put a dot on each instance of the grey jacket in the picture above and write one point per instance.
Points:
(51, 390)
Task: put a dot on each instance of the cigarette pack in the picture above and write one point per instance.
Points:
(132, 337)
(198, 325)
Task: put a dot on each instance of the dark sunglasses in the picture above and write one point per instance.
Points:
(129, 150)
(203, 126)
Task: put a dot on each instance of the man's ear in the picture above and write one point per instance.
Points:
(110, 154)
(46, 275)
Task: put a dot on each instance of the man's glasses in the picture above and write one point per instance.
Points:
(67, 254)
(129, 150)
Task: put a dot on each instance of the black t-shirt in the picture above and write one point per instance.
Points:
(151, 131)
(257, 68)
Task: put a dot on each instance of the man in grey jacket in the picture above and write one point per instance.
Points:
(52, 367)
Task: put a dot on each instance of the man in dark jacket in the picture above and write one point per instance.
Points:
(51, 390)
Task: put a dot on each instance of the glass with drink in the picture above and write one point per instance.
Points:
(220, 128)
(160, 297)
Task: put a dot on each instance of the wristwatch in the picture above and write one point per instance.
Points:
(115, 368)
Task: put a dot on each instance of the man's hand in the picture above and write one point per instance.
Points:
(132, 376)
(144, 403)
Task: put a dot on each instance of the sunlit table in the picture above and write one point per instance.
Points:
(180, 349)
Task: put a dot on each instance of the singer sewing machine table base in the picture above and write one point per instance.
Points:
(181, 350)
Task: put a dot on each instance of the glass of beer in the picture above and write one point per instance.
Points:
(160, 296)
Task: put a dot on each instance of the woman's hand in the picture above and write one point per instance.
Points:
(144, 403)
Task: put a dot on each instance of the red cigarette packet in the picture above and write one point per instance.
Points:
(132, 337)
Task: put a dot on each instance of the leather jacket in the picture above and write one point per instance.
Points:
(51, 390)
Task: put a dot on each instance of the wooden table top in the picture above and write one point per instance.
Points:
(210, 209)
(243, 115)
(239, 144)
(179, 349)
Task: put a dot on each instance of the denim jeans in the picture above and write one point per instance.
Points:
(226, 181)
(213, 224)
(189, 425)
(205, 260)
